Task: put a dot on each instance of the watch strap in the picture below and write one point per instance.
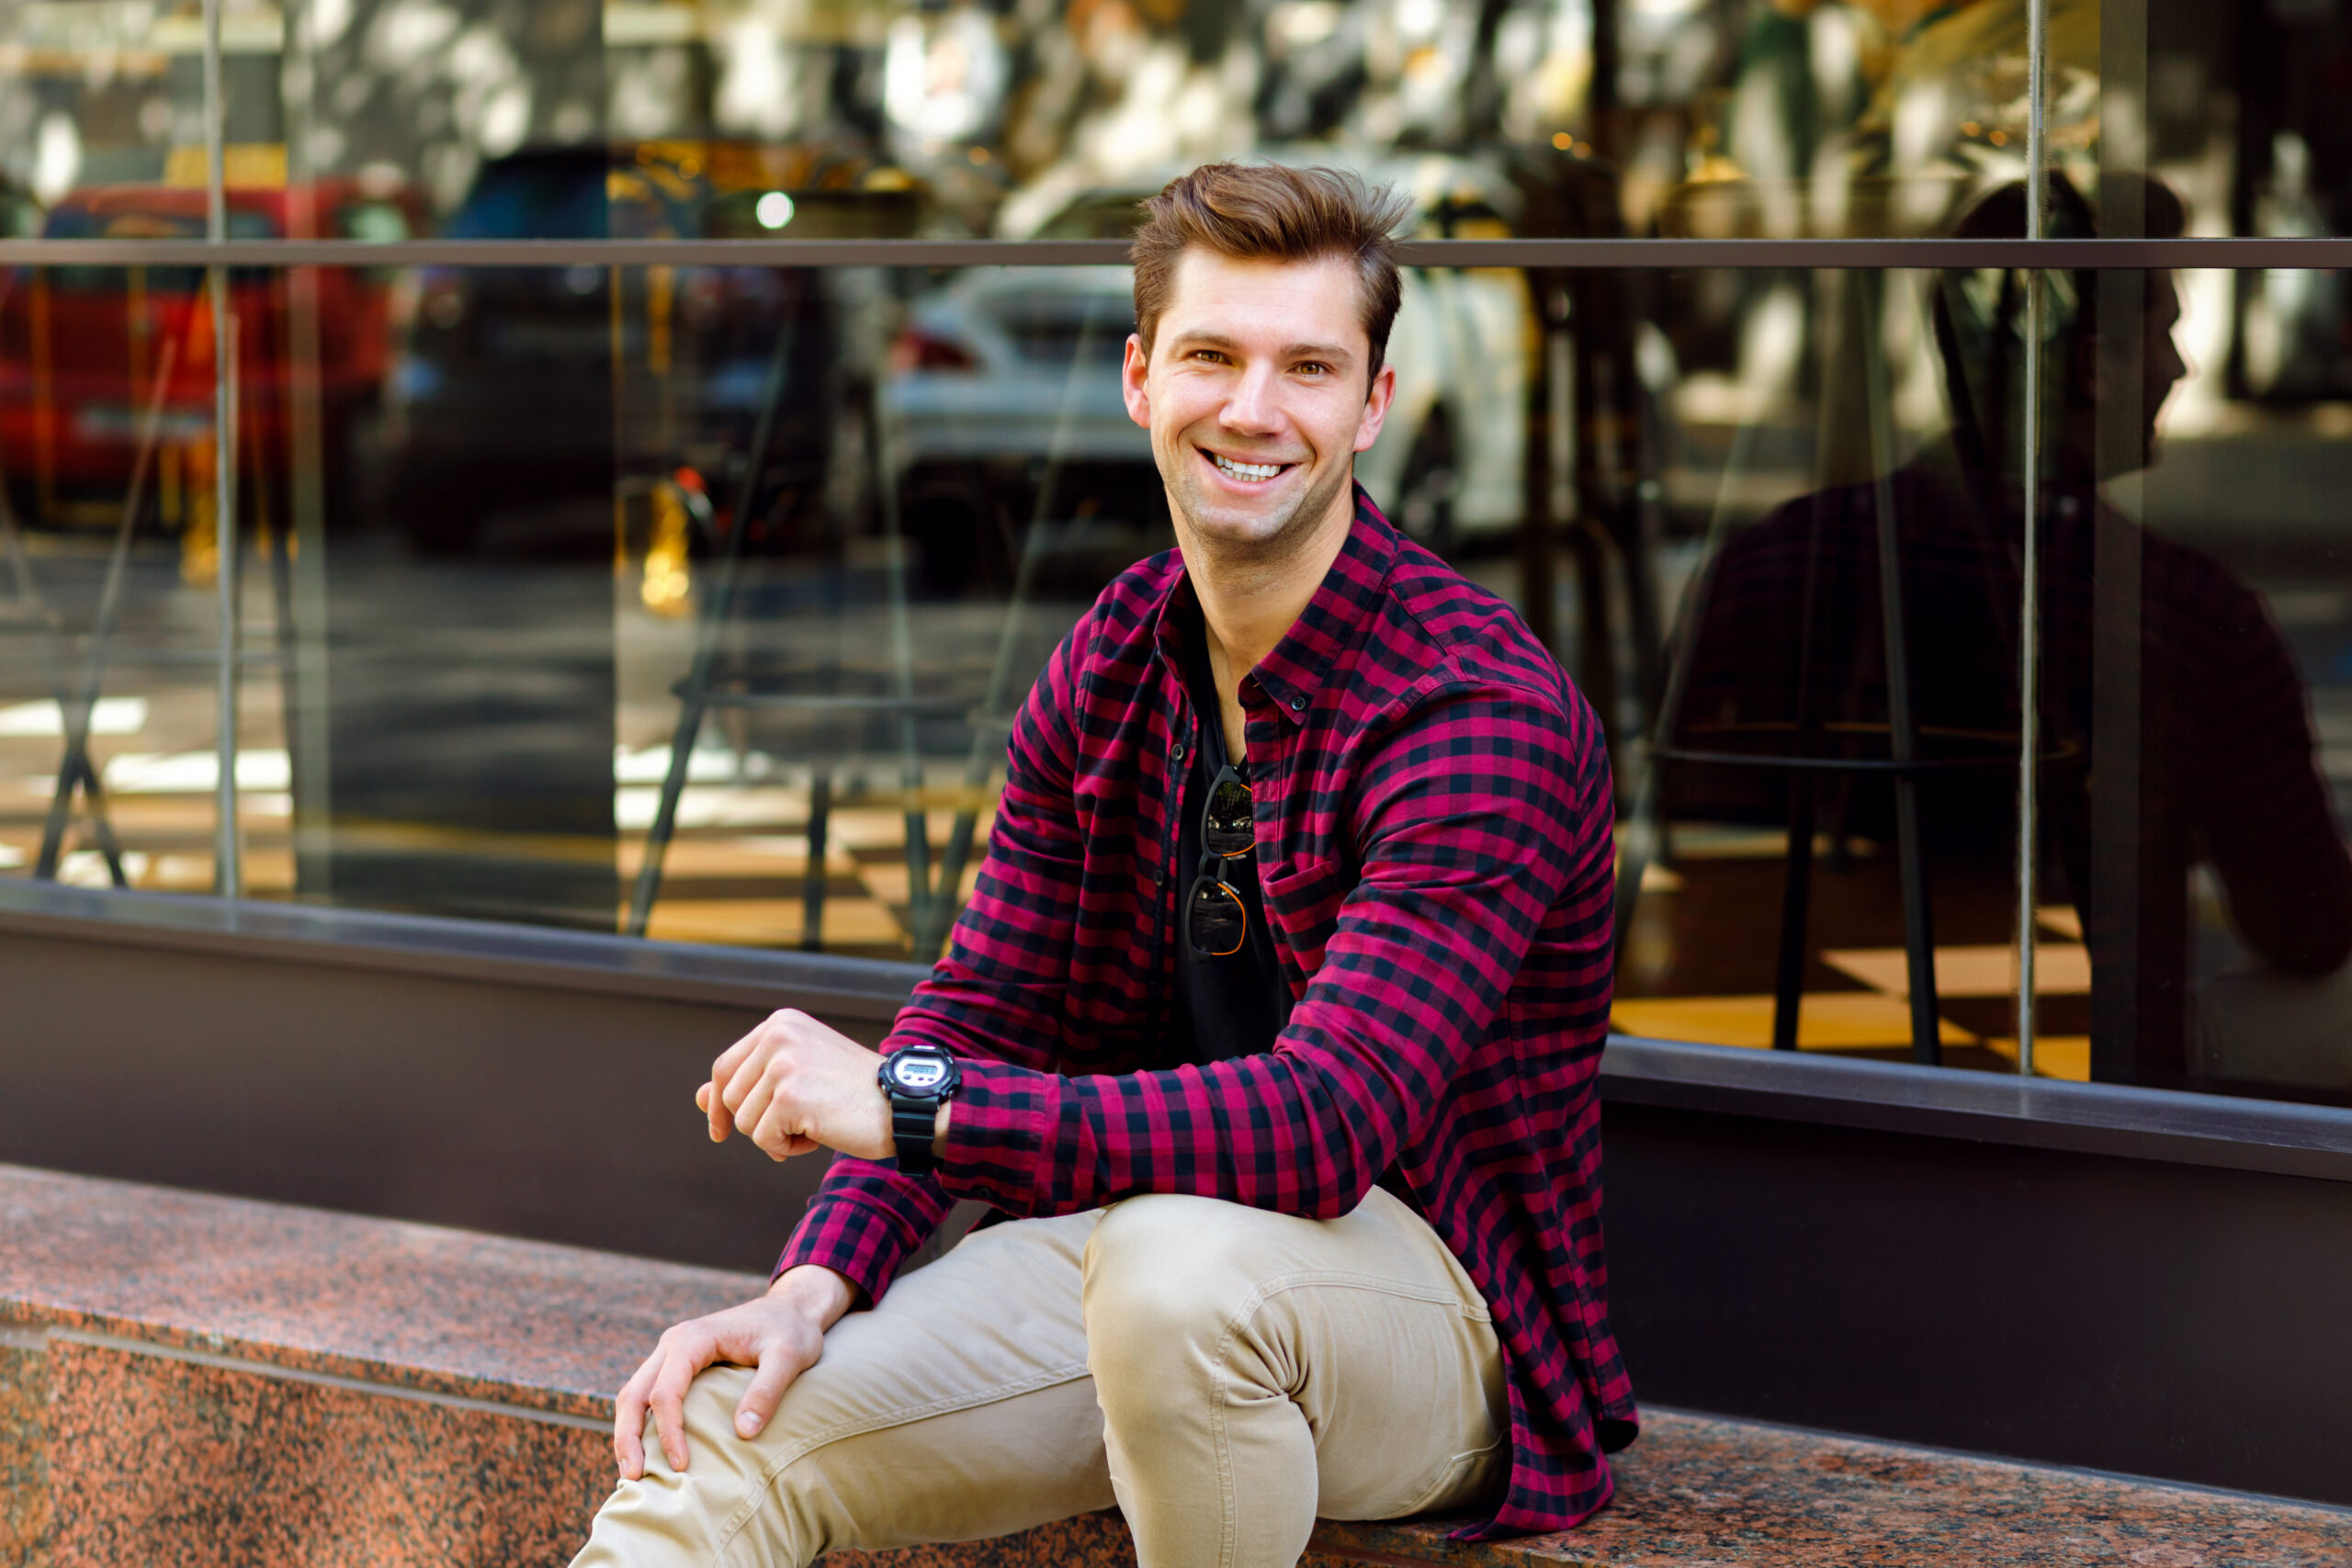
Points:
(913, 1124)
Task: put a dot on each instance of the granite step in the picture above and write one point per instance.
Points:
(193, 1380)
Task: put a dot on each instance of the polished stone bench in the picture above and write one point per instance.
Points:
(192, 1380)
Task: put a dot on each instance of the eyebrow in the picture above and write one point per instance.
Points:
(1287, 351)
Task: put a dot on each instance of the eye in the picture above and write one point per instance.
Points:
(1211, 355)
(1314, 367)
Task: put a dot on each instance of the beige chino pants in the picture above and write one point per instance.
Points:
(1222, 1373)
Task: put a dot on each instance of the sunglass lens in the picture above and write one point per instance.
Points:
(1214, 920)
(1226, 828)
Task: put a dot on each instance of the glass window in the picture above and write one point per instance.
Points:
(691, 600)
(93, 97)
(2194, 617)
(1821, 825)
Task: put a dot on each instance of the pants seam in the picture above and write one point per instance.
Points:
(748, 1509)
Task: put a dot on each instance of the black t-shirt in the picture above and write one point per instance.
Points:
(1232, 1006)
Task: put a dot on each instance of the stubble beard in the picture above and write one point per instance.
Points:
(1274, 540)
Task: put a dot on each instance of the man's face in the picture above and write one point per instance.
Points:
(2155, 362)
(1257, 399)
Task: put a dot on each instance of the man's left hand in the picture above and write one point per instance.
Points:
(793, 1085)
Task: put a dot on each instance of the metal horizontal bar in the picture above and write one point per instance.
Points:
(2277, 1136)
(260, 931)
(2315, 254)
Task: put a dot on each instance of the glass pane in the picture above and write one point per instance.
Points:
(376, 118)
(950, 479)
(1821, 821)
(101, 121)
(509, 497)
(2237, 108)
(110, 560)
(2198, 621)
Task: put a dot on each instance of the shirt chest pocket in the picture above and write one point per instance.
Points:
(1303, 898)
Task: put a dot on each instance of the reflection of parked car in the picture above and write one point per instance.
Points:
(1000, 373)
(79, 346)
(505, 379)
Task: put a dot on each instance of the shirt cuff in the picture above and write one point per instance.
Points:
(861, 1241)
(1002, 1137)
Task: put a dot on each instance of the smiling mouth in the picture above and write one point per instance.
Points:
(1248, 473)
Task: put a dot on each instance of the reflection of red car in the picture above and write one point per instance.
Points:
(81, 346)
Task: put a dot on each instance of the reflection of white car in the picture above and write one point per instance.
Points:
(1451, 459)
(1014, 363)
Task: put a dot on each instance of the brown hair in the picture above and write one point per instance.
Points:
(1270, 212)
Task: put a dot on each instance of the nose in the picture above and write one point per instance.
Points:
(1251, 408)
(2169, 364)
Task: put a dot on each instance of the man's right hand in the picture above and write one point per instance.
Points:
(781, 1335)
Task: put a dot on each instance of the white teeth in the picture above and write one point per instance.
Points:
(1247, 470)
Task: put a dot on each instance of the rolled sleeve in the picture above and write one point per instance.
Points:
(863, 1235)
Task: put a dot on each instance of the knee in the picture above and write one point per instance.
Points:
(1166, 1275)
(671, 1517)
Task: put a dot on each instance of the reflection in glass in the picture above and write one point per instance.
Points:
(493, 515)
(109, 556)
(1821, 839)
(2220, 901)
(1701, 117)
(2196, 892)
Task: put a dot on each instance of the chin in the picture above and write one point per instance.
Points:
(1225, 522)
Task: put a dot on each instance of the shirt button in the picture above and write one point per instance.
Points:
(1179, 751)
(1298, 703)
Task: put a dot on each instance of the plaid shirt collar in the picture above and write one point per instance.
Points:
(1293, 674)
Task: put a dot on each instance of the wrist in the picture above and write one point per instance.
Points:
(918, 1083)
(824, 1294)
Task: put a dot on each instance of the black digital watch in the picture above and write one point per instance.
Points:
(919, 1079)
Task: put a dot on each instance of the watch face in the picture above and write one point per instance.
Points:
(916, 1074)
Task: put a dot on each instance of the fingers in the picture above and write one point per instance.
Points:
(716, 1104)
(746, 1053)
(753, 1092)
(690, 1354)
(779, 1133)
(777, 1340)
(629, 1418)
(778, 1367)
(779, 1082)
(742, 1065)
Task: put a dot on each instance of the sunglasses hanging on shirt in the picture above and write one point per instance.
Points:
(1215, 921)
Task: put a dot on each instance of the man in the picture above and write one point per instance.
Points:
(1271, 1031)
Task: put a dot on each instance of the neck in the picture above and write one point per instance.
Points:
(1249, 603)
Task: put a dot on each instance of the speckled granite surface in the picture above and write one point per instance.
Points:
(1695, 1493)
(189, 1380)
(24, 1457)
(486, 1318)
(157, 1461)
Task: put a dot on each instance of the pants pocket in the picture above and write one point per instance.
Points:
(1466, 1478)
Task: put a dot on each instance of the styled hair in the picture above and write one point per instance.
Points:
(1270, 212)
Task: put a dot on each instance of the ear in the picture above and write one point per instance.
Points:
(1376, 408)
(1132, 371)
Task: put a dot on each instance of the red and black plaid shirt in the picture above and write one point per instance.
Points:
(1435, 851)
